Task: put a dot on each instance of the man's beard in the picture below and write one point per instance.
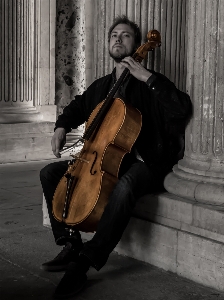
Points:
(118, 58)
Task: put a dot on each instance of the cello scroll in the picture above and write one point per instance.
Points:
(154, 40)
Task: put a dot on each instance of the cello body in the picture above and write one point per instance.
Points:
(94, 173)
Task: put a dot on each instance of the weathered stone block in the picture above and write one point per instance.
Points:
(151, 243)
(25, 142)
(202, 232)
(201, 260)
(209, 217)
(151, 207)
(184, 214)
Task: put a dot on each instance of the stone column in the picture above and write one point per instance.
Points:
(27, 79)
(70, 57)
(70, 51)
(200, 174)
(22, 83)
(89, 36)
(18, 85)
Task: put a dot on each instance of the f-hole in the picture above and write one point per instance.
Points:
(91, 170)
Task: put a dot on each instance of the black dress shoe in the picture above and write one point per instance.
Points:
(72, 282)
(68, 254)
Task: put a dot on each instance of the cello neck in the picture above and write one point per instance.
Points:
(105, 107)
(117, 84)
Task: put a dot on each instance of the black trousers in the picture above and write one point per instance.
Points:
(136, 181)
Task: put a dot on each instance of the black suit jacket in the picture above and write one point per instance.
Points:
(164, 109)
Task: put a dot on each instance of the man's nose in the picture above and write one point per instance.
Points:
(118, 39)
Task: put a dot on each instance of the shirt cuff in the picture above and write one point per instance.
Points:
(67, 130)
(150, 80)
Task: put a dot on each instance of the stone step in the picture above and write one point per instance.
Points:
(177, 235)
(192, 256)
(202, 219)
(25, 141)
(30, 141)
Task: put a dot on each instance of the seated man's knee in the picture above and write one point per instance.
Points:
(123, 190)
(54, 170)
(44, 172)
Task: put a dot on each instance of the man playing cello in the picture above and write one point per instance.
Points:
(163, 107)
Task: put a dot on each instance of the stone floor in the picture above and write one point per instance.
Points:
(25, 244)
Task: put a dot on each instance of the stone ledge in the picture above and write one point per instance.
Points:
(20, 128)
(183, 214)
(194, 257)
(25, 141)
(170, 233)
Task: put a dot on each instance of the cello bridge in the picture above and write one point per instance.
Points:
(81, 159)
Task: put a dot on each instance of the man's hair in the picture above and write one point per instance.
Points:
(124, 20)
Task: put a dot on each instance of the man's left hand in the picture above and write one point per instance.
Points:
(135, 68)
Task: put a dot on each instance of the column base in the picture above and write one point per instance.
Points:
(203, 189)
(48, 112)
(14, 115)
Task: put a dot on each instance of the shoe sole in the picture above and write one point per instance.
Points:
(55, 296)
(54, 269)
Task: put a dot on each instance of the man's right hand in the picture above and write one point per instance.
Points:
(58, 141)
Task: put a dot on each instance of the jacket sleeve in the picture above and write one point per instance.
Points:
(77, 111)
(175, 103)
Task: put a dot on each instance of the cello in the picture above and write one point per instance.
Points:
(111, 130)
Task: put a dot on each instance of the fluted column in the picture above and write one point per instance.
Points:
(27, 30)
(200, 174)
(18, 79)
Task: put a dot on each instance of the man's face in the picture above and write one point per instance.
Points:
(122, 42)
